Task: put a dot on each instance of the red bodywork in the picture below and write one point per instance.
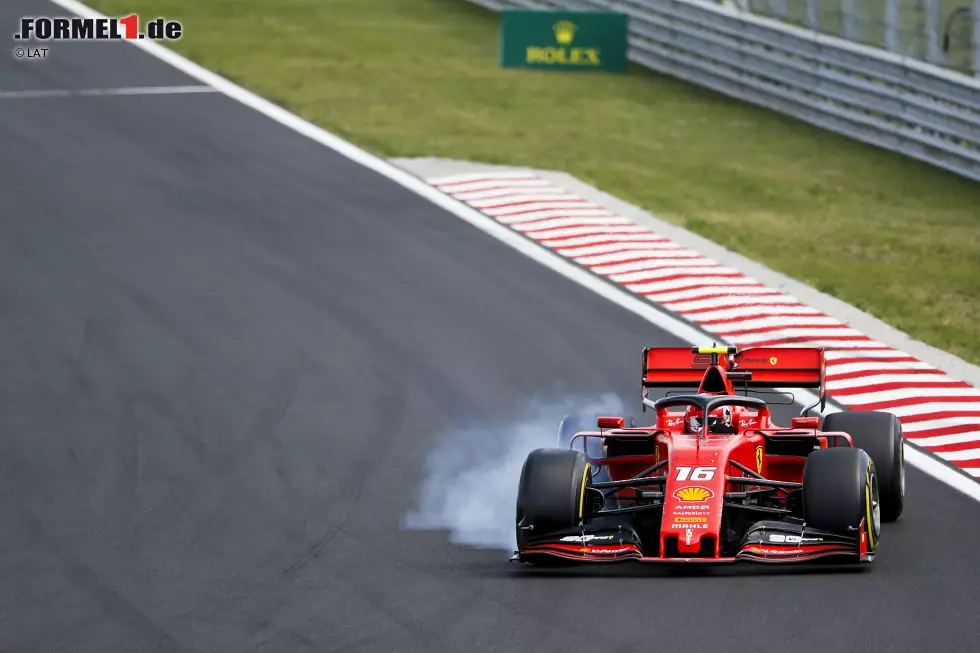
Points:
(701, 469)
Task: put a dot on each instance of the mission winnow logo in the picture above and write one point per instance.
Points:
(44, 28)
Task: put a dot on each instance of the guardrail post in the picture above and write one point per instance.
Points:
(891, 26)
(976, 38)
(849, 19)
(778, 8)
(933, 18)
(813, 14)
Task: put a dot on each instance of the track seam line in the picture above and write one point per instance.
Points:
(103, 92)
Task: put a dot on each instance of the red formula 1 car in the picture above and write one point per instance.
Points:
(713, 479)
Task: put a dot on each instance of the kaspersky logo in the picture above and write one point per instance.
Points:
(693, 493)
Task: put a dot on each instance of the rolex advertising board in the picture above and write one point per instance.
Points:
(561, 40)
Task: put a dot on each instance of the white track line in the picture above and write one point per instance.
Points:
(484, 223)
(92, 92)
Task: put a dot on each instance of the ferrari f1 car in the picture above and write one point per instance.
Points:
(713, 479)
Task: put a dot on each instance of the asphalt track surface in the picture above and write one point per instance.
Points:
(225, 352)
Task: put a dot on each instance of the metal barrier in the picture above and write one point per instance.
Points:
(937, 31)
(907, 106)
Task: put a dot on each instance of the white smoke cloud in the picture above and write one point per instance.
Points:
(471, 477)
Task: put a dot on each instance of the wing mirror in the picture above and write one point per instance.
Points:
(610, 422)
(806, 422)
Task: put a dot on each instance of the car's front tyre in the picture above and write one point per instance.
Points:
(551, 495)
(840, 489)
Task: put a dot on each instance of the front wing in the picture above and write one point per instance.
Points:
(764, 542)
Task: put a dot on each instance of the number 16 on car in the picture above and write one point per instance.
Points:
(695, 473)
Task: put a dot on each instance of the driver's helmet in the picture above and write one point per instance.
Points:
(719, 420)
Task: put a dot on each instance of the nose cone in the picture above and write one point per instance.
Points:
(692, 504)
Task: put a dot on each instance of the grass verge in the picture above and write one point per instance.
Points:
(892, 236)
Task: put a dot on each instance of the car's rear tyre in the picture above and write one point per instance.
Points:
(576, 422)
(840, 488)
(551, 495)
(879, 434)
(572, 424)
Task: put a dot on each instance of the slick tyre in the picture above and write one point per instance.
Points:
(879, 434)
(551, 495)
(840, 488)
(576, 422)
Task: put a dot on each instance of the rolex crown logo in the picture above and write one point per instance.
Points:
(565, 32)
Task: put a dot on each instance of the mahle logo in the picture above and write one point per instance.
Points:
(563, 55)
(565, 32)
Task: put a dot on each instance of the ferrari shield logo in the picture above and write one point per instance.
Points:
(773, 361)
(758, 459)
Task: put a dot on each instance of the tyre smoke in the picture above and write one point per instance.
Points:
(471, 477)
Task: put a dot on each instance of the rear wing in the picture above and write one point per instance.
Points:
(759, 367)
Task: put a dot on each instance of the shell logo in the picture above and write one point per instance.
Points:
(693, 493)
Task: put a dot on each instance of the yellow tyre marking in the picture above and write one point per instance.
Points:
(867, 503)
(581, 500)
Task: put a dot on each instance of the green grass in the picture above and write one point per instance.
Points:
(892, 236)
